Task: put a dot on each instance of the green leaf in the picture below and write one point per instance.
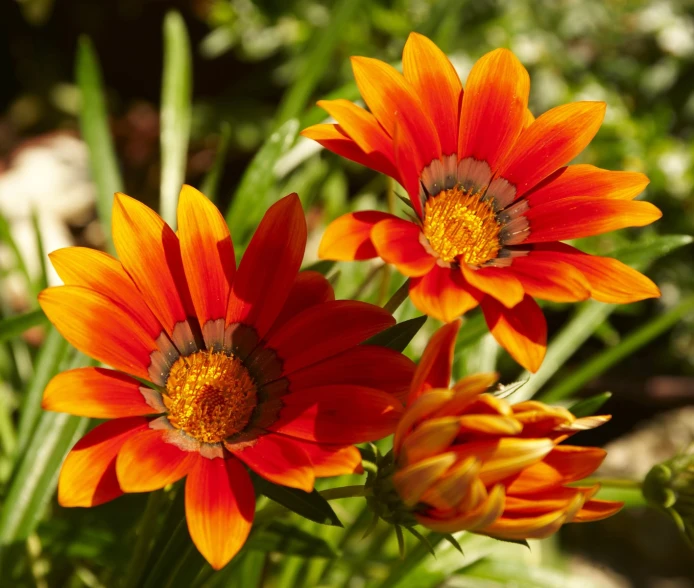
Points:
(279, 537)
(642, 254)
(398, 336)
(36, 476)
(589, 406)
(176, 95)
(96, 132)
(317, 59)
(41, 254)
(322, 267)
(309, 505)
(210, 184)
(14, 326)
(6, 237)
(257, 191)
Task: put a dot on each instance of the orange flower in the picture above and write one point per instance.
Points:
(491, 193)
(254, 367)
(468, 460)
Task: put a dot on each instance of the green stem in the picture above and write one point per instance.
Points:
(146, 531)
(398, 298)
(609, 482)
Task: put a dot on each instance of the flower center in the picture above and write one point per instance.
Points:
(460, 224)
(210, 396)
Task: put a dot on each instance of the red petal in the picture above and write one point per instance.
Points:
(269, 266)
(309, 289)
(436, 363)
(88, 476)
(146, 462)
(220, 504)
(397, 241)
(348, 238)
(331, 460)
(443, 294)
(96, 393)
(550, 279)
(521, 330)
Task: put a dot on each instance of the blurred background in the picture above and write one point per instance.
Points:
(258, 66)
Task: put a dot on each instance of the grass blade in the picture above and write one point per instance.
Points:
(14, 326)
(96, 131)
(175, 112)
(210, 184)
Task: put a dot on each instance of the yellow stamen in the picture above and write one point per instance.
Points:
(460, 225)
(210, 396)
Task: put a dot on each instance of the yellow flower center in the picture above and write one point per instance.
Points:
(460, 224)
(210, 396)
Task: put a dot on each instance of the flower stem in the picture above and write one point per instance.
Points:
(398, 298)
(610, 482)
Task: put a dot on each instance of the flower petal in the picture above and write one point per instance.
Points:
(521, 330)
(494, 107)
(309, 289)
(414, 480)
(348, 238)
(208, 258)
(332, 460)
(590, 182)
(92, 324)
(437, 84)
(498, 282)
(482, 515)
(550, 279)
(339, 414)
(397, 241)
(443, 294)
(576, 217)
(553, 140)
(150, 252)
(334, 138)
(418, 410)
(364, 365)
(609, 279)
(96, 393)
(220, 504)
(281, 460)
(96, 270)
(432, 437)
(436, 363)
(88, 476)
(406, 161)
(325, 330)
(146, 462)
(596, 510)
(269, 266)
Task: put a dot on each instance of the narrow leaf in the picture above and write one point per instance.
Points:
(210, 184)
(175, 112)
(589, 406)
(322, 267)
(279, 537)
(398, 336)
(422, 539)
(14, 326)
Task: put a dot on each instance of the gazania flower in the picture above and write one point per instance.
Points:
(256, 367)
(468, 460)
(491, 194)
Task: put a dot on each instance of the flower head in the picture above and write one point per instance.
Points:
(464, 459)
(256, 367)
(491, 193)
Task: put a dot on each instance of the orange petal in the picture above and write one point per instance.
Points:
(331, 460)
(434, 369)
(596, 510)
(95, 326)
(453, 486)
(150, 252)
(416, 411)
(88, 476)
(481, 516)
(475, 383)
(413, 481)
(406, 160)
(326, 330)
(487, 424)
(309, 289)
(96, 270)
(269, 266)
(336, 139)
(553, 140)
(349, 237)
(544, 502)
(576, 217)
(494, 107)
(392, 101)
(208, 258)
(437, 84)
(96, 393)
(362, 127)
(483, 404)
(609, 280)
(280, 460)
(443, 294)
(146, 462)
(364, 365)
(220, 504)
(430, 438)
(590, 182)
(339, 414)
(397, 241)
(550, 279)
(521, 330)
(499, 283)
